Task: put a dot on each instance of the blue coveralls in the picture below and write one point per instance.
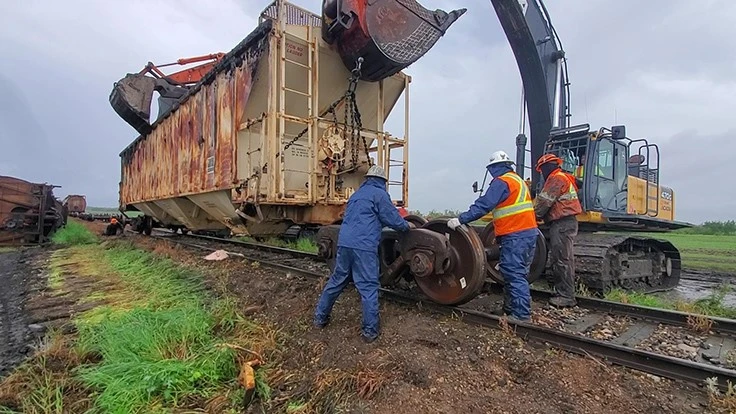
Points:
(517, 249)
(368, 211)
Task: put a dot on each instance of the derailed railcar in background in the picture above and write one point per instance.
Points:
(264, 141)
(29, 213)
(75, 204)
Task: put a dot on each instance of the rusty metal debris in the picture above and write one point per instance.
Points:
(29, 213)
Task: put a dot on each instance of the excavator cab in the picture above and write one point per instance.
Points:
(617, 177)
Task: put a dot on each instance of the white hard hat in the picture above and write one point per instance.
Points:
(376, 171)
(499, 157)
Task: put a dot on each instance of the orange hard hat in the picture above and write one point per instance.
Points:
(114, 220)
(547, 158)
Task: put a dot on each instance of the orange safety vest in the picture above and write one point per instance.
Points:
(516, 213)
(579, 171)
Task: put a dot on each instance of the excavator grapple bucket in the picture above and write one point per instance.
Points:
(388, 34)
(131, 99)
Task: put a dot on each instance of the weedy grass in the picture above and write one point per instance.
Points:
(160, 343)
(166, 353)
(712, 305)
(44, 384)
(721, 401)
(74, 233)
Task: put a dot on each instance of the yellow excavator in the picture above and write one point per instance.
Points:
(618, 177)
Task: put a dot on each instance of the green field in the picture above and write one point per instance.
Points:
(102, 210)
(111, 210)
(704, 252)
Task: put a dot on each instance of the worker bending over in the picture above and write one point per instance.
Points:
(369, 209)
(114, 227)
(515, 227)
(558, 205)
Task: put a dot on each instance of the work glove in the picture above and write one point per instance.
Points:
(453, 223)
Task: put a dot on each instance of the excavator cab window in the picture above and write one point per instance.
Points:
(606, 183)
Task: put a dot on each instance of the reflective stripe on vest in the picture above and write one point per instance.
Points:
(522, 203)
(579, 171)
(516, 213)
(571, 193)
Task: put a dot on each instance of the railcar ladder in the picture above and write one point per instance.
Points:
(305, 90)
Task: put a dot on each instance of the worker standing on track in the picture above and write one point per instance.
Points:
(509, 198)
(558, 205)
(368, 211)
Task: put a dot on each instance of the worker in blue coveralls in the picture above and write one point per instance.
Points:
(368, 211)
(515, 227)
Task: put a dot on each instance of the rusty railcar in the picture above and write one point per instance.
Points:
(75, 204)
(29, 213)
(265, 140)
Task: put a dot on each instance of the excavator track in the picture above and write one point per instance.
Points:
(608, 261)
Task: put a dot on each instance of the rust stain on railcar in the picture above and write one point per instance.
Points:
(193, 150)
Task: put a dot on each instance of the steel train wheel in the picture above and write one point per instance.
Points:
(466, 272)
(488, 237)
(418, 221)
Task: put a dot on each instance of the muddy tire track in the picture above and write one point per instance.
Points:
(18, 277)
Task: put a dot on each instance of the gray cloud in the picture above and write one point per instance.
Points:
(663, 68)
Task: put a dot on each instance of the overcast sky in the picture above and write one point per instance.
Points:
(664, 68)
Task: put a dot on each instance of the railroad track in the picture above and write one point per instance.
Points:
(632, 336)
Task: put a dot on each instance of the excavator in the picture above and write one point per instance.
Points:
(618, 176)
(620, 189)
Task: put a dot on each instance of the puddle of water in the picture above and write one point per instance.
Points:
(691, 290)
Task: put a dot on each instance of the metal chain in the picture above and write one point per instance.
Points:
(357, 123)
(327, 111)
(355, 118)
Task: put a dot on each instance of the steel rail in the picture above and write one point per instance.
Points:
(671, 317)
(257, 246)
(662, 365)
(645, 361)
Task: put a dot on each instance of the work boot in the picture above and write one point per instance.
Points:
(514, 319)
(369, 339)
(562, 302)
(500, 309)
(321, 323)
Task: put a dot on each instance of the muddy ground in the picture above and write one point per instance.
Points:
(422, 363)
(18, 275)
(429, 363)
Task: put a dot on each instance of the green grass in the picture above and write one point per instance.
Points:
(163, 352)
(161, 342)
(703, 252)
(303, 244)
(72, 234)
(711, 305)
(102, 210)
